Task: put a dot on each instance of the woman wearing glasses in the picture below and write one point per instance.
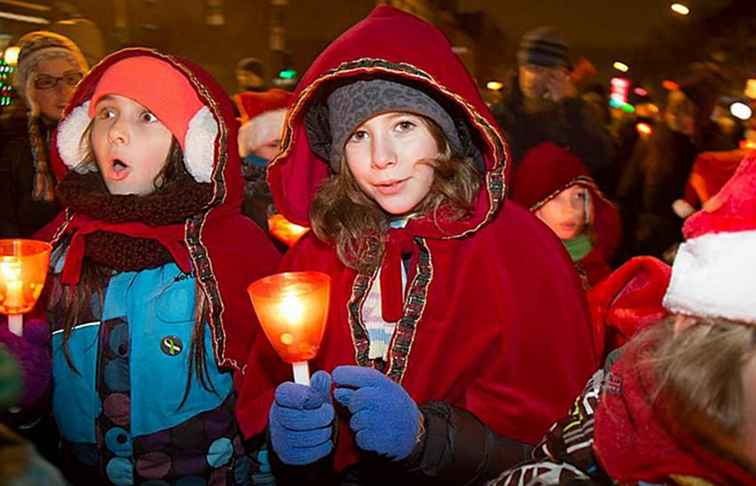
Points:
(49, 68)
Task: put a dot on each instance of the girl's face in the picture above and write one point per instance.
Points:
(567, 213)
(130, 144)
(390, 157)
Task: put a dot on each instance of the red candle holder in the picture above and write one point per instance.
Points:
(23, 271)
(293, 308)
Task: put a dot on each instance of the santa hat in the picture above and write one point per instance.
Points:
(714, 272)
(262, 117)
(167, 93)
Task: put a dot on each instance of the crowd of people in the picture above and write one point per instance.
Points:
(499, 309)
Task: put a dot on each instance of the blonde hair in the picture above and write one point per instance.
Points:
(700, 369)
(344, 215)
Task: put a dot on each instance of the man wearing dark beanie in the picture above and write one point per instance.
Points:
(543, 105)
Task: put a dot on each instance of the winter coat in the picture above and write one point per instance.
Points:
(130, 404)
(20, 215)
(569, 124)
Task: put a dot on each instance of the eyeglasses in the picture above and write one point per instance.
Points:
(45, 81)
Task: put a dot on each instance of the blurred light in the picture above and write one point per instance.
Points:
(644, 129)
(628, 108)
(670, 85)
(750, 90)
(287, 74)
(640, 91)
(494, 85)
(740, 110)
(11, 55)
(620, 66)
(679, 8)
(29, 19)
(615, 102)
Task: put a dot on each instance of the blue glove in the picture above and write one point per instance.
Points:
(384, 419)
(301, 420)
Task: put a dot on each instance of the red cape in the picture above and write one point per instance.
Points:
(495, 321)
(226, 250)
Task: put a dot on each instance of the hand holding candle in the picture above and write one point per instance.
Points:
(293, 308)
(23, 270)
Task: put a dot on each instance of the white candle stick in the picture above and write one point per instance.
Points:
(301, 372)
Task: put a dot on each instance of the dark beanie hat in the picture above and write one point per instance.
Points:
(351, 105)
(544, 46)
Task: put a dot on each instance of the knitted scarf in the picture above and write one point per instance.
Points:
(86, 194)
(579, 246)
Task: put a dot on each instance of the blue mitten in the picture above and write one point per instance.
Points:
(385, 419)
(301, 420)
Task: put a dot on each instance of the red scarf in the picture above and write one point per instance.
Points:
(635, 441)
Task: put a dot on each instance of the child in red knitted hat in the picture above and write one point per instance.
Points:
(146, 289)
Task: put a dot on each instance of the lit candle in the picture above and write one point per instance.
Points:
(23, 270)
(292, 308)
(10, 269)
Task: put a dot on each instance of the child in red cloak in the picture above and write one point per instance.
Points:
(555, 186)
(678, 407)
(450, 307)
(146, 290)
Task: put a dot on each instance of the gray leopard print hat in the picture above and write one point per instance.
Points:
(351, 105)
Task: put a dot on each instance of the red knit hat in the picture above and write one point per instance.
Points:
(714, 272)
(155, 85)
(167, 93)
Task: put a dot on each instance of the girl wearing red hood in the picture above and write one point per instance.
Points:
(450, 307)
(147, 305)
(555, 186)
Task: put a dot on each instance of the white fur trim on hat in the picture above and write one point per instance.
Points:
(261, 130)
(714, 275)
(199, 145)
(70, 148)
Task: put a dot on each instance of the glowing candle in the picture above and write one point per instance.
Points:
(23, 270)
(293, 308)
(286, 231)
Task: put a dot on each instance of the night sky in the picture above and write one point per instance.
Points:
(585, 23)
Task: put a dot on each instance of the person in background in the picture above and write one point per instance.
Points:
(49, 68)
(262, 118)
(543, 105)
(437, 321)
(250, 75)
(555, 186)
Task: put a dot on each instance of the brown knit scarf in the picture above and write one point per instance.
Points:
(171, 204)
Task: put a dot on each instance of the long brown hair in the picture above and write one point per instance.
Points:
(77, 299)
(700, 371)
(344, 215)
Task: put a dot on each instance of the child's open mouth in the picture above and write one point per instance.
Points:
(119, 169)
